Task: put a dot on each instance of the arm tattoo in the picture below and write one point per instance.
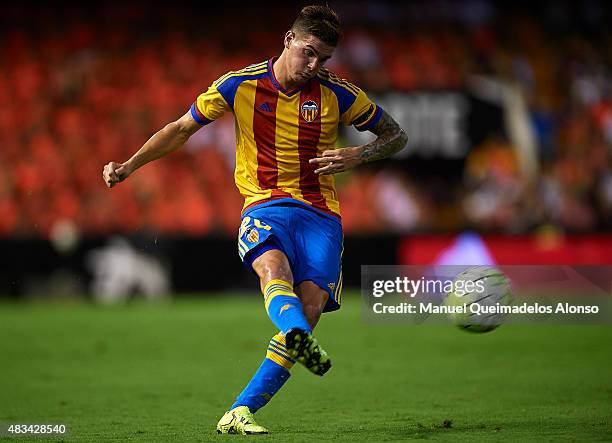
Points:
(391, 139)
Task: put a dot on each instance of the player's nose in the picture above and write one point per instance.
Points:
(313, 66)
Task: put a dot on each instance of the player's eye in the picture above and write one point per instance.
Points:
(308, 53)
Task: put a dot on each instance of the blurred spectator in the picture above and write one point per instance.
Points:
(94, 82)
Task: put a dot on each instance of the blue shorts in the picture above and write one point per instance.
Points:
(311, 240)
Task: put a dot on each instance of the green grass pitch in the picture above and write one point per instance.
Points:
(167, 372)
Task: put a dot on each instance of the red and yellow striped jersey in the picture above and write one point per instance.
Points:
(279, 131)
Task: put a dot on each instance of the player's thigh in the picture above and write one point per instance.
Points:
(264, 234)
(320, 255)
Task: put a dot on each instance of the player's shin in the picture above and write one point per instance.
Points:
(284, 307)
(269, 378)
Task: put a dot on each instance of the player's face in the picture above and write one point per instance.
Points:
(305, 56)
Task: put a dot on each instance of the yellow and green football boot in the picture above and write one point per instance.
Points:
(239, 420)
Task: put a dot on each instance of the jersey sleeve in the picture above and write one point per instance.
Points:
(354, 106)
(209, 106)
(362, 113)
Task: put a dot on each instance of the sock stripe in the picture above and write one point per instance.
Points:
(277, 288)
(271, 285)
(279, 343)
(279, 360)
(270, 296)
(279, 337)
(269, 299)
(278, 350)
(282, 291)
(276, 343)
(279, 292)
(276, 347)
(279, 284)
(280, 355)
(278, 281)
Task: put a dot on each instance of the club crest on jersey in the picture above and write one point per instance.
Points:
(252, 235)
(310, 110)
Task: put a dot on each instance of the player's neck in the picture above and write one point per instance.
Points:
(280, 73)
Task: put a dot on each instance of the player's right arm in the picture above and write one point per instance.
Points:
(208, 107)
(168, 139)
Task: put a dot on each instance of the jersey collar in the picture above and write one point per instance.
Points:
(277, 85)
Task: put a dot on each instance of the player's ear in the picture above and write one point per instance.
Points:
(289, 36)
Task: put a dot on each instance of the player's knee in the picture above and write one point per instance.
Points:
(272, 265)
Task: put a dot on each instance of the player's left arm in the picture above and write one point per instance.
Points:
(390, 139)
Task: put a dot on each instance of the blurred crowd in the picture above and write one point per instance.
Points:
(84, 85)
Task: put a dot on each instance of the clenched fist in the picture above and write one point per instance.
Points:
(114, 173)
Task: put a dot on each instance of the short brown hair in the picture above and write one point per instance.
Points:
(319, 21)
